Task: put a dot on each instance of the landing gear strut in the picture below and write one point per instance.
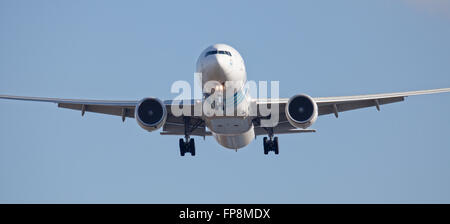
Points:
(187, 144)
(271, 143)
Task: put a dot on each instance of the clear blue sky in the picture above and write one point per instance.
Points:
(133, 49)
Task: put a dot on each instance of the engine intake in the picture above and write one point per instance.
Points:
(301, 111)
(151, 114)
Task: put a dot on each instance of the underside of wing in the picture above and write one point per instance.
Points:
(342, 106)
(112, 107)
(193, 123)
(180, 125)
(174, 125)
(335, 105)
(282, 128)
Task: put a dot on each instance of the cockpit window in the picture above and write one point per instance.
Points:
(217, 52)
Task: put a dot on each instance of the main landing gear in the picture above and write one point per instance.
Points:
(271, 143)
(187, 144)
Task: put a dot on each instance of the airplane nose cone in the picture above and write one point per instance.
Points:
(215, 62)
(217, 67)
(213, 68)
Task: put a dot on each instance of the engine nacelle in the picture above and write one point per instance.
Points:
(150, 114)
(301, 111)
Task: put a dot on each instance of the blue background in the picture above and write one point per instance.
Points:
(134, 49)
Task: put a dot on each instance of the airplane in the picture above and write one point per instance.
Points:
(221, 63)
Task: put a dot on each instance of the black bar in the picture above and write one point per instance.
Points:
(226, 213)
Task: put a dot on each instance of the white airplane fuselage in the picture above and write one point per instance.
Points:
(223, 64)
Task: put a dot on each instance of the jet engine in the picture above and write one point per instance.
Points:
(150, 114)
(301, 111)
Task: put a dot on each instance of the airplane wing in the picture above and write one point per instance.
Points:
(112, 107)
(176, 125)
(345, 103)
(335, 105)
(173, 126)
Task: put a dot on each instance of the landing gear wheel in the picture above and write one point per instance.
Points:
(192, 147)
(266, 147)
(275, 145)
(182, 147)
